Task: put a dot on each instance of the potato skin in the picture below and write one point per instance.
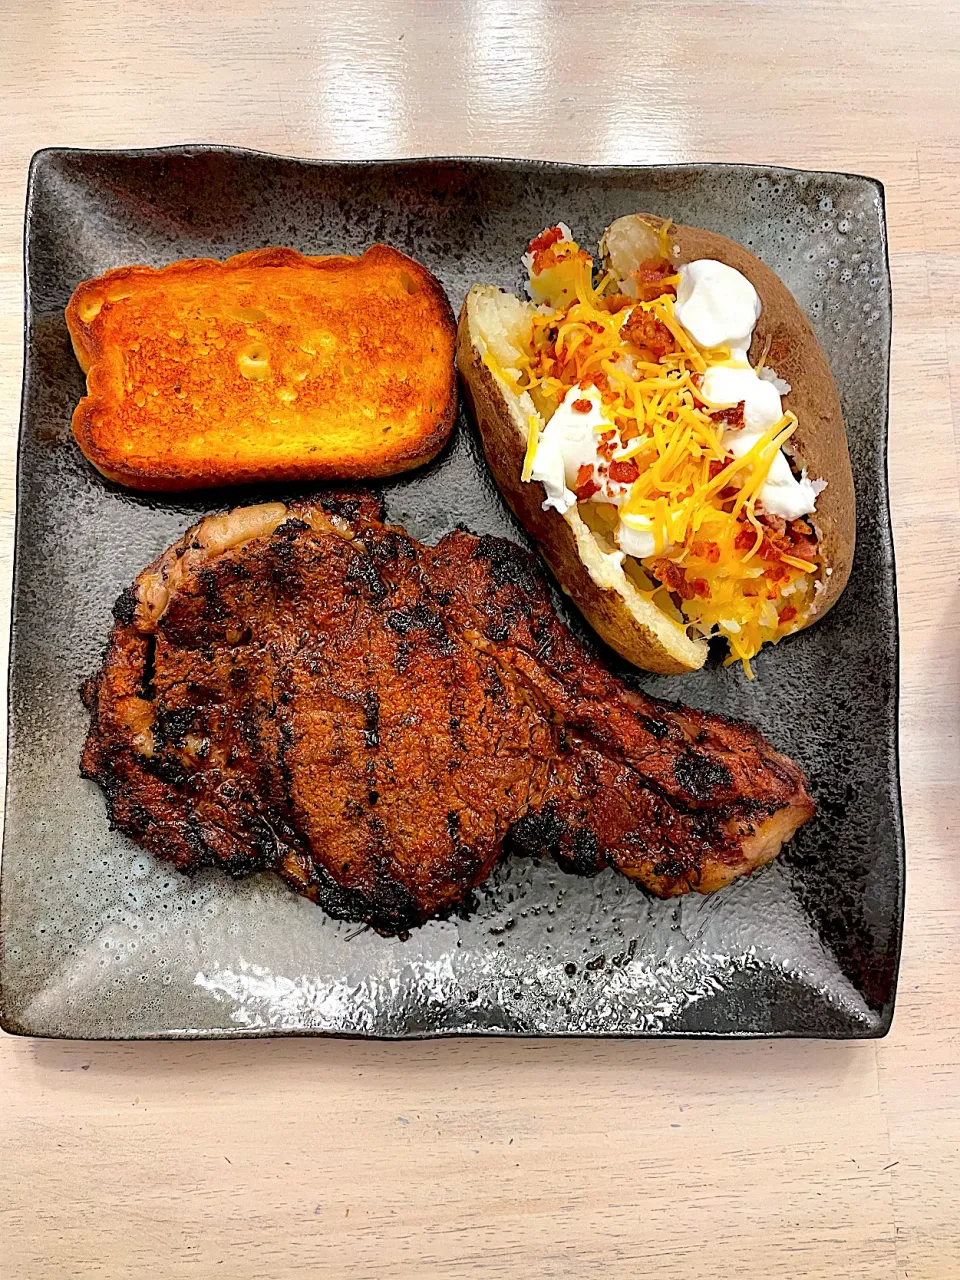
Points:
(504, 446)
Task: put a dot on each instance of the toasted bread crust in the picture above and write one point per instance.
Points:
(268, 366)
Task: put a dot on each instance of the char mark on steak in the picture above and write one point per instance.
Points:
(302, 689)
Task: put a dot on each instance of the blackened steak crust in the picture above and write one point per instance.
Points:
(306, 690)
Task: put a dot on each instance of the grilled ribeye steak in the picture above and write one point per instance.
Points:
(303, 689)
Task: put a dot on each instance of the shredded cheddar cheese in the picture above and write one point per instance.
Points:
(533, 439)
(728, 568)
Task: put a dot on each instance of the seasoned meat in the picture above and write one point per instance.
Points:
(306, 690)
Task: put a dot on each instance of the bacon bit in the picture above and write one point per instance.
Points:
(716, 466)
(645, 330)
(624, 470)
(673, 577)
(595, 327)
(544, 259)
(745, 538)
(582, 406)
(650, 276)
(667, 572)
(607, 445)
(773, 547)
(709, 551)
(788, 614)
(586, 485)
(783, 539)
(732, 417)
(629, 431)
(552, 235)
(700, 587)
(543, 248)
(804, 549)
(776, 524)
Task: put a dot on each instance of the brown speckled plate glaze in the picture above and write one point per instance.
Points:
(101, 940)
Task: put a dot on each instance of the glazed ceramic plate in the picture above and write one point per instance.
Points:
(102, 940)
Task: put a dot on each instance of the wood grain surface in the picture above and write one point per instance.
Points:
(308, 1158)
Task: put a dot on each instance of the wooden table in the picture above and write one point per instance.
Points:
(289, 1158)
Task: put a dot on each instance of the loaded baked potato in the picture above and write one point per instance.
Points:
(669, 432)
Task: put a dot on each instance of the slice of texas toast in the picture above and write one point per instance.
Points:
(268, 366)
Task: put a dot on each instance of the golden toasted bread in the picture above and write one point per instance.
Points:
(268, 366)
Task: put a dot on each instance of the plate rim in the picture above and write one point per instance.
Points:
(44, 155)
(197, 148)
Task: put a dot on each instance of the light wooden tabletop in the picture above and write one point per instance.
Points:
(283, 1158)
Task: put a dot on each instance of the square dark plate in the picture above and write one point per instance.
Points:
(101, 940)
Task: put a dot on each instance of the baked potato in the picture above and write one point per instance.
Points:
(671, 436)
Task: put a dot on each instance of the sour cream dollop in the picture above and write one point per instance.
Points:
(724, 386)
(636, 538)
(717, 305)
(568, 442)
(782, 494)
